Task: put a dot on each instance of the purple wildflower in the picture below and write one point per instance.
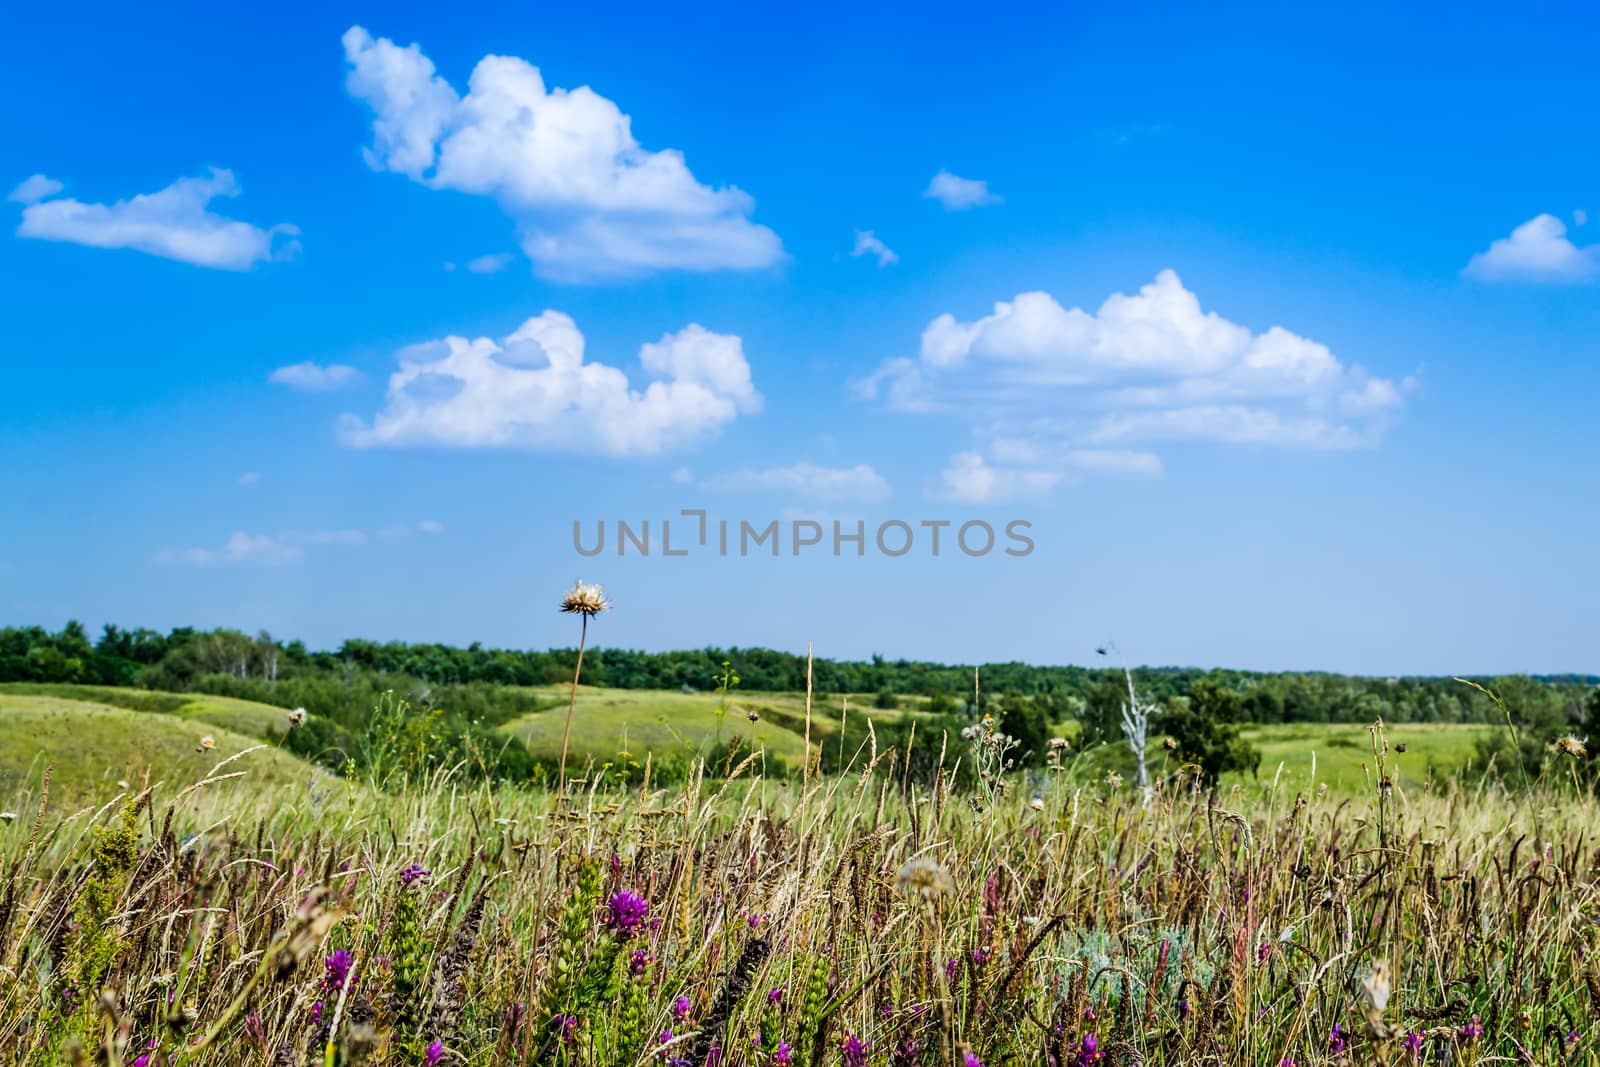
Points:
(680, 1010)
(336, 970)
(638, 962)
(142, 1060)
(1413, 1044)
(970, 1059)
(434, 1054)
(1472, 1030)
(775, 995)
(568, 1027)
(625, 913)
(950, 969)
(1089, 1051)
(1572, 1040)
(784, 1054)
(854, 1049)
(415, 872)
(1336, 1040)
(1288, 1061)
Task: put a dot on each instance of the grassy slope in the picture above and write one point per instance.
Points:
(1340, 750)
(93, 746)
(264, 721)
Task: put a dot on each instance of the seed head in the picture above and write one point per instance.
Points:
(1572, 746)
(585, 600)
(922, 876)
(297, 717)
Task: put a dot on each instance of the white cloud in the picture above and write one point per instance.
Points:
(959, 194)
(430, 526)
(492, 264)
(249, 477)
(860, 482)
(34, 189)
(315, 377)
(174, 223)
(588, 201)
(868, 244)
(1149, 366)
(681, 476)
(239, 548)
(1580, 217)
(1536, 251)
(533, 390)
(243, 547)
(970, 479)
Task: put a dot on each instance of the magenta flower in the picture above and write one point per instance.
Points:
(638, 962)
(415, 872)
(336, 970)
(1413, 1044)
(854, 1050)
(434, 1053)
(680, 1008)
(1473, 1030)
(784, 1054)
(775, 995)
(625, 913)
(1089, 1051)
(970, 1059)
(1336, 1040)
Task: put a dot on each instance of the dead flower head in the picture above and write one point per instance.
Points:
(297, 717)
(1574, 747)
(923, 876)
(585, 600)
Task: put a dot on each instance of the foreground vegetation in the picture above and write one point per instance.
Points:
(856, 919)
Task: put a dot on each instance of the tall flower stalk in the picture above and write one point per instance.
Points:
(586, 601)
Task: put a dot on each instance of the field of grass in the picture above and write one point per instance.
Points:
(95, 748)
(861, 920)
(1339, 755)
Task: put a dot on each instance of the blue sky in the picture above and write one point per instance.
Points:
(1280, 328)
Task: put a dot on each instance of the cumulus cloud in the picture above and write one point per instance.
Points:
(588, 200)
(34, 189)
(533, 390)
(1063, 391)
(868, 244)
(971, 479)
(860, 482)
(174, 223)
(315, 377)
(959, 194)
(1537, 251)
(1143, 365)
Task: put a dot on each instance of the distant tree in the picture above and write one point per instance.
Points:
(1205, 728)
(885, 700)
(939, 703)
(1024, 719)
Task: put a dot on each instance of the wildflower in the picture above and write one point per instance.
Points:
(1413, 1044)
(297, 717)
(784, 1054)
(1057, 744)
(1113, 779)
(680, 1009)
(1089, 1051)
(1037, 804)
(922, 876)
(585, 600)
(638, 962)
(337, 970)
(775, 995)
(8, 816)
(207, 743)
(854, 1050)
(1336, 1040)
(971, 1060)
(625, 913)
(1472, 1030)
(1263, 951)
(1288, 1061)
(415, 872)
(567, 1025)
(1572, 1039)
(434, 1054)
(1573, 747)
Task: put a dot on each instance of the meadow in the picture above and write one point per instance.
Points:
(167, 902)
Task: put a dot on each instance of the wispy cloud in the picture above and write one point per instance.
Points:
(249, 477)
(174, 223)
(490, 264)
(860, 482)
(959, 194)
(588, 200)
(868, 244)
(1537, 251)
(316, 377)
